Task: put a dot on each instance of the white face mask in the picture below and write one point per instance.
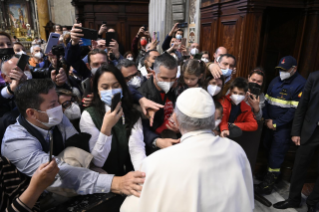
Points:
(165, 86)
(93, 70)
(73, 112)
(130, 58)
(55, 116)
(226, 72)
(217, 123)
(194, 51)
(237, 99)
(20, 53)
(285, 75)
(178, 37)
(28, 74)
(213, 90)
(205, 60)
(38, 55)
(135, 82)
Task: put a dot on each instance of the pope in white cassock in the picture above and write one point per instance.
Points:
(203, 173)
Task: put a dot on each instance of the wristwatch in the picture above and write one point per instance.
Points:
(9, 89)
(154, 143)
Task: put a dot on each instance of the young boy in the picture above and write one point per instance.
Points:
(218, 117)
(236, 111)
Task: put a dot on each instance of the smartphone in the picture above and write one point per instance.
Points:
(104, 23)
(86, 86)
(158, 37)
(86, 42)
(145, 28)
(90, 34)
(115, 100)
(255, 89)
(51, 147)
(23, 61)
(78, 21)
(154, 35)
(53, 40)
(109, 37)
(183, 42)
(182, 25)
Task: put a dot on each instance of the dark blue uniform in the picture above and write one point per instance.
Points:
(282, 99)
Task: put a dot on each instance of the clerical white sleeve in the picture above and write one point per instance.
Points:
(100, 144)
(137, 145)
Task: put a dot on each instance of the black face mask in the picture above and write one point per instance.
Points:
(6, 54)
(112, 56)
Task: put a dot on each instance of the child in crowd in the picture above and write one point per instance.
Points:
(236, 111)
(213, 86)
(191, 75)
(218, 117)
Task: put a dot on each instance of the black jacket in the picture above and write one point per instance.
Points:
(149, 91)
(307, 114)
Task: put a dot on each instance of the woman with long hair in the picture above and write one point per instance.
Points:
(115, 133)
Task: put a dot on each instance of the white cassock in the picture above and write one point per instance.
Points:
(202, 173)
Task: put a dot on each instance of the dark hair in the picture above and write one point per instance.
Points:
(192, 67)
(260, 71)
(55, 25)
(226, 55)
(240, 83)
(179, 30)
(126, 100)
(218, 106)
(18, 44)
(208, 77)
(166, 60)
(127, 53)
(147, 54)
(206, 52)
(125, 63)
(2, 33)
(28, 93)
(94, 52)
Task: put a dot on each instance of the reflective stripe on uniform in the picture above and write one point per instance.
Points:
(281, 103)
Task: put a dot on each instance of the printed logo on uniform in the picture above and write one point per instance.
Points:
(283, 61)
(299, 95)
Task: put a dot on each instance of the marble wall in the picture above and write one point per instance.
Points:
(62, 12)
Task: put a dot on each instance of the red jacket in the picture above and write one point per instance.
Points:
(245, 121)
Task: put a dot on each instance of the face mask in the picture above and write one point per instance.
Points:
(143, 42)
(226, 72)
(20, 53)
(194, 51)
(38, 55)
(165, 86)
(237, 98)
(213, 90)
(130, 58)
(28, 74)
(217, 122)
(7, 51)
(93, 70)
(135, 82)
(178, 37)
(73, 112)
(285, 75)
(107, 95)
(112, 56)
(55, 116)
(205, 60)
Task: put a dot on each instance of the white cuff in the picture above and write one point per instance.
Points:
(5, 94)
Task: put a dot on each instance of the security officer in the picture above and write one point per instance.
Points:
(282, 99)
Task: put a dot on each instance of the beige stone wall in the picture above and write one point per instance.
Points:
(62, 12)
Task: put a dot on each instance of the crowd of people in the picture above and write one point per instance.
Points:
(166, 145)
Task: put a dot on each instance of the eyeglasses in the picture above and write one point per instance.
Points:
(68, 103)
(133, 75)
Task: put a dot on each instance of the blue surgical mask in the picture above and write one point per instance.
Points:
(107, 95)
(226, 72)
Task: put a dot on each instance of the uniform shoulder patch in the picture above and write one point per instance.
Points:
(299, 95)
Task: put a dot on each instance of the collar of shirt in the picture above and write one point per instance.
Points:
(195, 133)
(43, 132)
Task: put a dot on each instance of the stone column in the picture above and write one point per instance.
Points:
(43, 16)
